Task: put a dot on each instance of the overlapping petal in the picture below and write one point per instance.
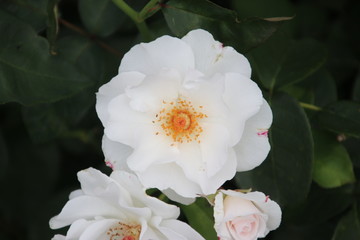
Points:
(95, 214)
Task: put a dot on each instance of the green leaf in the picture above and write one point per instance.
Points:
(286, 173)
(315, 209)
(324, 86)
(183, 16)
(101, 17)
(341, 117)
(332, 164)
(281, 62)
(28, 73)
(49, 121)
(32, 12)
(200, 217)
(348, 227)
(269, 8)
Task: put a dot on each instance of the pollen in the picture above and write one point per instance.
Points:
(122, 231)
(180, 120)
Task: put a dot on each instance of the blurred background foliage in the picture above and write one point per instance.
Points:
(305, 56)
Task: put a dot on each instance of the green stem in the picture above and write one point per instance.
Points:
(135, 16)
(310, 106)
(149, 9)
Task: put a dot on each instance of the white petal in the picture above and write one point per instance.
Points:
(214, 147)
(115, 153)
(172, 195)
(58, 237)
(76, 193)
(152, 149)
(84, 207)
(140, 199)
(227, 172)
(95, 183)
(175, 229)
(244, 98)
(254, 145)
(169, 175)
(154, 89)
(97, 230)
(212, 57)
(126, 125)
(164, 52)
(112, 89)
(77, 228)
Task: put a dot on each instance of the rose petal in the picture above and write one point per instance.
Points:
(164, 52)
(112, 89)
(254, 145)
(212, 57)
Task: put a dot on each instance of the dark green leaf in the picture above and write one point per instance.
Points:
(315, 209)
(49, 121)
(324, 86)
(349, 226)
(332, 164)
(286, 173)
(341, 117)
(281, 62)
(28, 73)
(200, 217)
(185, 15)
(29, 11)
(101, 17)
(269, 8)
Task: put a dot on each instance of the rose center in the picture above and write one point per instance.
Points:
(122, 231)
(180, 120)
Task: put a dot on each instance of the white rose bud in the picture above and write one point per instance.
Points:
(245, 216)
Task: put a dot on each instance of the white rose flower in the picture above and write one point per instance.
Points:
(184, 115)
(245, 216)
(117, 208)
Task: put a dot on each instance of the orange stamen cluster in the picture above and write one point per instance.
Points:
(122, 231)
(180, 121)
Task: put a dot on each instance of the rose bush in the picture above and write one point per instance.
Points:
(184, 115)
(117, 208)
(245, 216)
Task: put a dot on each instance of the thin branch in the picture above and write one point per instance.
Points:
(90, 36)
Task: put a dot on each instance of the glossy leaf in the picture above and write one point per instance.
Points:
(101, 17)
(289, 163)
(200, 217)
(281, 62)
(269, 8)
(315, 209)
(348, 227)
(341, 117)
(185, 15)
(49, 121)
(32, 12)
(332, 164)
(28, 73)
